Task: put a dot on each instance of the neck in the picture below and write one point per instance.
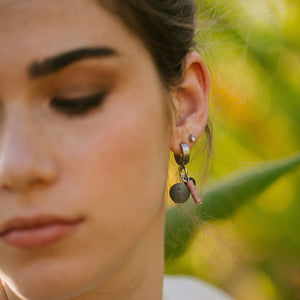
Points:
(140, 276)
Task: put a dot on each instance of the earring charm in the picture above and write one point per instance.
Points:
(180, 192)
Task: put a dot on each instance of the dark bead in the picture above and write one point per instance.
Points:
(179, 193)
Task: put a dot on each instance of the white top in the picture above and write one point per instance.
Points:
(190, 288)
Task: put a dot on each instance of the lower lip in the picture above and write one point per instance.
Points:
(39, 236)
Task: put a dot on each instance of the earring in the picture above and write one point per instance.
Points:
(192, 138)
(180, 192)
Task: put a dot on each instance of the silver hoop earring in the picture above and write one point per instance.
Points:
(180, 192)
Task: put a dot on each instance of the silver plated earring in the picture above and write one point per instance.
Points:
(180, 192)
(192, 138)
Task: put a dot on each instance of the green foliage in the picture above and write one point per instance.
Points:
(222, 200)
(253, 50)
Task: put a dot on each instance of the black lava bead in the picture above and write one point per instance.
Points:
(179, 193)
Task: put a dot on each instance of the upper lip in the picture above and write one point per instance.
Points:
(34, 221)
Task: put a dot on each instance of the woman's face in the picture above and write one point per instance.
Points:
(84, 145)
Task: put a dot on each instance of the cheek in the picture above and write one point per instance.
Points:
(118, 170)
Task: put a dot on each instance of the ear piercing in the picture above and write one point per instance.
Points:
(180, 192)
(192, 138)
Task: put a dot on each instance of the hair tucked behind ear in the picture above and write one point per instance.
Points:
(167, 29)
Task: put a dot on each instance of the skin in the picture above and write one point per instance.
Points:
(107, 167)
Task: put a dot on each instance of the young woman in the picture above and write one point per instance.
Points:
(93, 96)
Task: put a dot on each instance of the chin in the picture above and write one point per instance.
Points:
(55, 280)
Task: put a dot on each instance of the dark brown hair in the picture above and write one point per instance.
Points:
(167, 29)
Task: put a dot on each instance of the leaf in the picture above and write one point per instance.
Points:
(221, 200)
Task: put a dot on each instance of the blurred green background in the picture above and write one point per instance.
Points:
(253, 50)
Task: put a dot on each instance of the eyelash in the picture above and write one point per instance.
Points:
(79, 106)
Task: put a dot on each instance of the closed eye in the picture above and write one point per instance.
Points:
(78, 106)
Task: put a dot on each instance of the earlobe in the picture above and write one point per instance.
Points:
(192, 103)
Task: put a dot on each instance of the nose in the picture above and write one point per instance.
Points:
(25, 160)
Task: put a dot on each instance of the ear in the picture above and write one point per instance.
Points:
(191, 100)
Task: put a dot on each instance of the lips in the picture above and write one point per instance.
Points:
(37, 231)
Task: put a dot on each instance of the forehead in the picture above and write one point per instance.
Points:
(47, 16)
(40, 28)
(33, 30)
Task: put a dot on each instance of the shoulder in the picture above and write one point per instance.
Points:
(190, 288)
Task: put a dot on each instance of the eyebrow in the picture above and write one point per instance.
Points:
(56, 63)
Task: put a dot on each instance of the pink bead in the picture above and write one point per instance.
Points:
(194, 192)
